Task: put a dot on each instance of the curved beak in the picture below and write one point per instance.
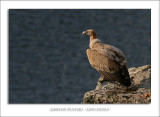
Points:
(84, 32)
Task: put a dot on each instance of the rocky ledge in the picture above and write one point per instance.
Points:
(138, 93)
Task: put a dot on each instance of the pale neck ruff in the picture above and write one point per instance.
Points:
(92, 42)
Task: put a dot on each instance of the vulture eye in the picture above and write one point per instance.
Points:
(87, 32)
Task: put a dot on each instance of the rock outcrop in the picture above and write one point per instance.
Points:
(138, 93)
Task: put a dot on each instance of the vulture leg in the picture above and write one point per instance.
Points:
(101, 79)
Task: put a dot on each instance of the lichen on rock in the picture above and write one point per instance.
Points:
(138, 93)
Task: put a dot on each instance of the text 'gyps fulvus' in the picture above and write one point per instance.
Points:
(108, 60)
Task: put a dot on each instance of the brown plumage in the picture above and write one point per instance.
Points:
(108, 60)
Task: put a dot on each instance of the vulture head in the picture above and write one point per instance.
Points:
(90, 33)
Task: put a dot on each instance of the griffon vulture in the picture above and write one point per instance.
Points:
(108, 60)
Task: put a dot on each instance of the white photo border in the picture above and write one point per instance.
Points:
(112, 109)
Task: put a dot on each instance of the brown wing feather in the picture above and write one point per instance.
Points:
(111, 52)
(101, 62)
(108, 68)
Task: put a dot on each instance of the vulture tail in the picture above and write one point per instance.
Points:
(126, 78)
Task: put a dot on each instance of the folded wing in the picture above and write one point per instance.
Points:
(110, 63)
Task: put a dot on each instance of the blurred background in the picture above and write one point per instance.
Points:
(47, 52)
